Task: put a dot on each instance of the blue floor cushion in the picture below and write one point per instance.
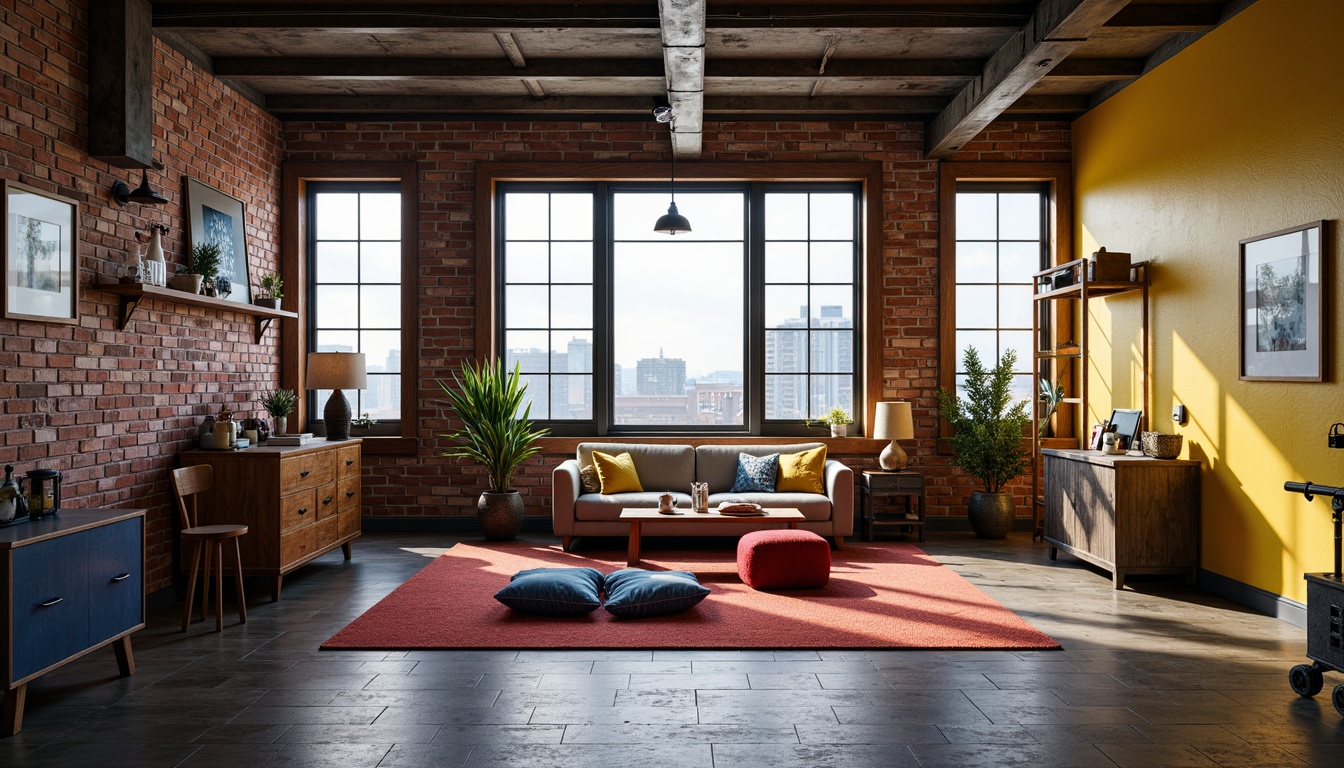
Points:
(635, 593)
(554, 591)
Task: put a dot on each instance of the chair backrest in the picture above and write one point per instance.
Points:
(187, 482)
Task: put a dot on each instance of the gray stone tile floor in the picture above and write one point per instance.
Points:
(1159, 674)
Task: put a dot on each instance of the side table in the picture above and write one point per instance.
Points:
(880, 490)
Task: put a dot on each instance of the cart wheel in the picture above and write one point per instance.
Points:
(1306, 680)
(1337, 698)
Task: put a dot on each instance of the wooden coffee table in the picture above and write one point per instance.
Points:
(641, 516)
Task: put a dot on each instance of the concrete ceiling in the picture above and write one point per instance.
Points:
(955, 64)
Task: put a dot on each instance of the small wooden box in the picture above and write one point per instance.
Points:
(1109, 267)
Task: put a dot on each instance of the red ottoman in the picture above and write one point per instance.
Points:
(788, 559)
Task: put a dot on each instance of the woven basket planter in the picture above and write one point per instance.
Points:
(1161, 446)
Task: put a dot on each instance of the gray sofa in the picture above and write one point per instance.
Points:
(663, 468)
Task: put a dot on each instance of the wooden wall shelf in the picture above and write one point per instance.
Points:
(132, 294)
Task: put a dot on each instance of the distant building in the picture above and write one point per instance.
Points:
(660, 375)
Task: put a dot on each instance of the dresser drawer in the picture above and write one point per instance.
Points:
(298, 509)
(116, 578)
(51, 602)
(298, 544)
(347, 461)
(347, 495)
(350, 521)
(307, 471)
(328, 502)
(328, 531)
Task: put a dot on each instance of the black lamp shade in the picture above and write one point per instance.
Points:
(672, 222)
(143, 194)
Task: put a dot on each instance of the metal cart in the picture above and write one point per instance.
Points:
(1325, 610)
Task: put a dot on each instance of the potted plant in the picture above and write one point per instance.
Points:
(198, 274)
(279, 404)
(363, 422)
(269, 293)
(987, 432)
(838, 419)
(488, 401)
(1052, 395)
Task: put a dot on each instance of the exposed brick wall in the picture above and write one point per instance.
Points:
(447, 152)
(111, 408)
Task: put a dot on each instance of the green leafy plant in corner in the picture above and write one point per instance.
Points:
(1052, 395)
(987, 426)
(205, 260)
(280, 402)
(271, 285)
(497, 430)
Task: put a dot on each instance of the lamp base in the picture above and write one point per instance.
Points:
(337, 416)
(893, 458)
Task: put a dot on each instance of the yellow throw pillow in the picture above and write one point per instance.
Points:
(802, 472)
(617, 473)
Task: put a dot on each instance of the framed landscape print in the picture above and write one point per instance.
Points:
(41, 262)
(1283, 310)
(214, 217)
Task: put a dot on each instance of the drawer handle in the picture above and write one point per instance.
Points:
(50, 603)
(305, 473)
(327, 500)
(303, 510)
(349, 462)
(349, 494)
(122, 577)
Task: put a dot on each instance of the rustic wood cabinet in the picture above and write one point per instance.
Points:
(298, 502)
(71, 583)
(1127, 514)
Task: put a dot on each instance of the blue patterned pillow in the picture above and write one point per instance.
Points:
(553, 591)
(756, 473)
(634, 593)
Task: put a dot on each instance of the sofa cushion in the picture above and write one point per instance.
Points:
(756, 473)
(617, 473)
(660, 466)
(717, 464)
(635, 593)
(553, 591)
(814, 506)
(597, 507)
(803, 471)
(589, 480)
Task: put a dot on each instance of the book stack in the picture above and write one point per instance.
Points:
(299, 439)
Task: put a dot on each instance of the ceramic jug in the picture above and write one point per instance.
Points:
(666, 504)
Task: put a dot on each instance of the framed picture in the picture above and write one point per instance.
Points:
(41, 234)
(1094, 442)
(214, 217)
(1283, 327)
(1126, 423)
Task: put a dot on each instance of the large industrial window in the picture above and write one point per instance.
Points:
(745, 324)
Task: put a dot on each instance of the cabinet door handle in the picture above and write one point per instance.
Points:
(349, 494)
(303, 510)
(122, 577)
(50, 603)
(305, 473)
(327, 500)
(349, 462)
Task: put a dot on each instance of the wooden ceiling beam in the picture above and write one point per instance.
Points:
(1192, 17)
(1049, 105)
(621, 106)
(683, 30)
(1056, 29)
(1096, 69)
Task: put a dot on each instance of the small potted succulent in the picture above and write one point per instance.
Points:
(279, 404)
(269, 293)
(838, 419)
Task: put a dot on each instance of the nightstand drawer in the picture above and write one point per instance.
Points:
(901, 482)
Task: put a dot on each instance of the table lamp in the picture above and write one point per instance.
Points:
(893, 421)
(336, 371)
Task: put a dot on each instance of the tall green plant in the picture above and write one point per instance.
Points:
(487, 400)
(988, 427)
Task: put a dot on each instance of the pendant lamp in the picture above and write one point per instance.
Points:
(672, 222)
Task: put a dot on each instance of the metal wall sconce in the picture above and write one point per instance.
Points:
(143, 194)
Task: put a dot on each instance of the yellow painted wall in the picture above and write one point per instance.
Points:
(1240, 134)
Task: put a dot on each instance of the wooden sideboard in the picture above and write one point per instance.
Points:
(298, 502)
(72, 583)
(1127, 514)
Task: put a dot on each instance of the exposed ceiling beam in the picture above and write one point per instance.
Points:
(262, 14)
(1191, 17)
(683, 30)
(509, 45)
(1055, 30)
(616, 106)
(1096, 69)
(1049, 105)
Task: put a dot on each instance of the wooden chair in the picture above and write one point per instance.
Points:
(188, 482)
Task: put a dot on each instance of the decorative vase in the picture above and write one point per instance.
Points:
(991, 514)
(154, 263)
(189, 283)
(500, 515)
(280, 424)
(839, 430)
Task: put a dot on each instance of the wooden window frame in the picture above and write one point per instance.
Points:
(294, 258)
(867, 175)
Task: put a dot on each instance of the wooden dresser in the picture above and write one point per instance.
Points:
(298, 502)
(72, 582)
(1127, 514)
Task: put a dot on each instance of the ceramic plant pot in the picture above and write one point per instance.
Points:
(500, 515)
(185, 282)
(991, 514)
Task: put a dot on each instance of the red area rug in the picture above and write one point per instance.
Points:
(880, 596)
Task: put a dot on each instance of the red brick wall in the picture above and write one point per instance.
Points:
(447, 153)
(111, 408)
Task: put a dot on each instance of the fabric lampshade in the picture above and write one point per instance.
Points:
(336, 370)
(894, 421)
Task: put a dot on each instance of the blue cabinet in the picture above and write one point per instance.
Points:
(68, 584)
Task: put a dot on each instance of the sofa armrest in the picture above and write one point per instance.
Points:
(565, 488)
(840, 490)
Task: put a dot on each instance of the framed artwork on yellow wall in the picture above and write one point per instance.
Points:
(1283, 328)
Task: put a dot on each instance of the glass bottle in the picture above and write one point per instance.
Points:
(12, 503)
